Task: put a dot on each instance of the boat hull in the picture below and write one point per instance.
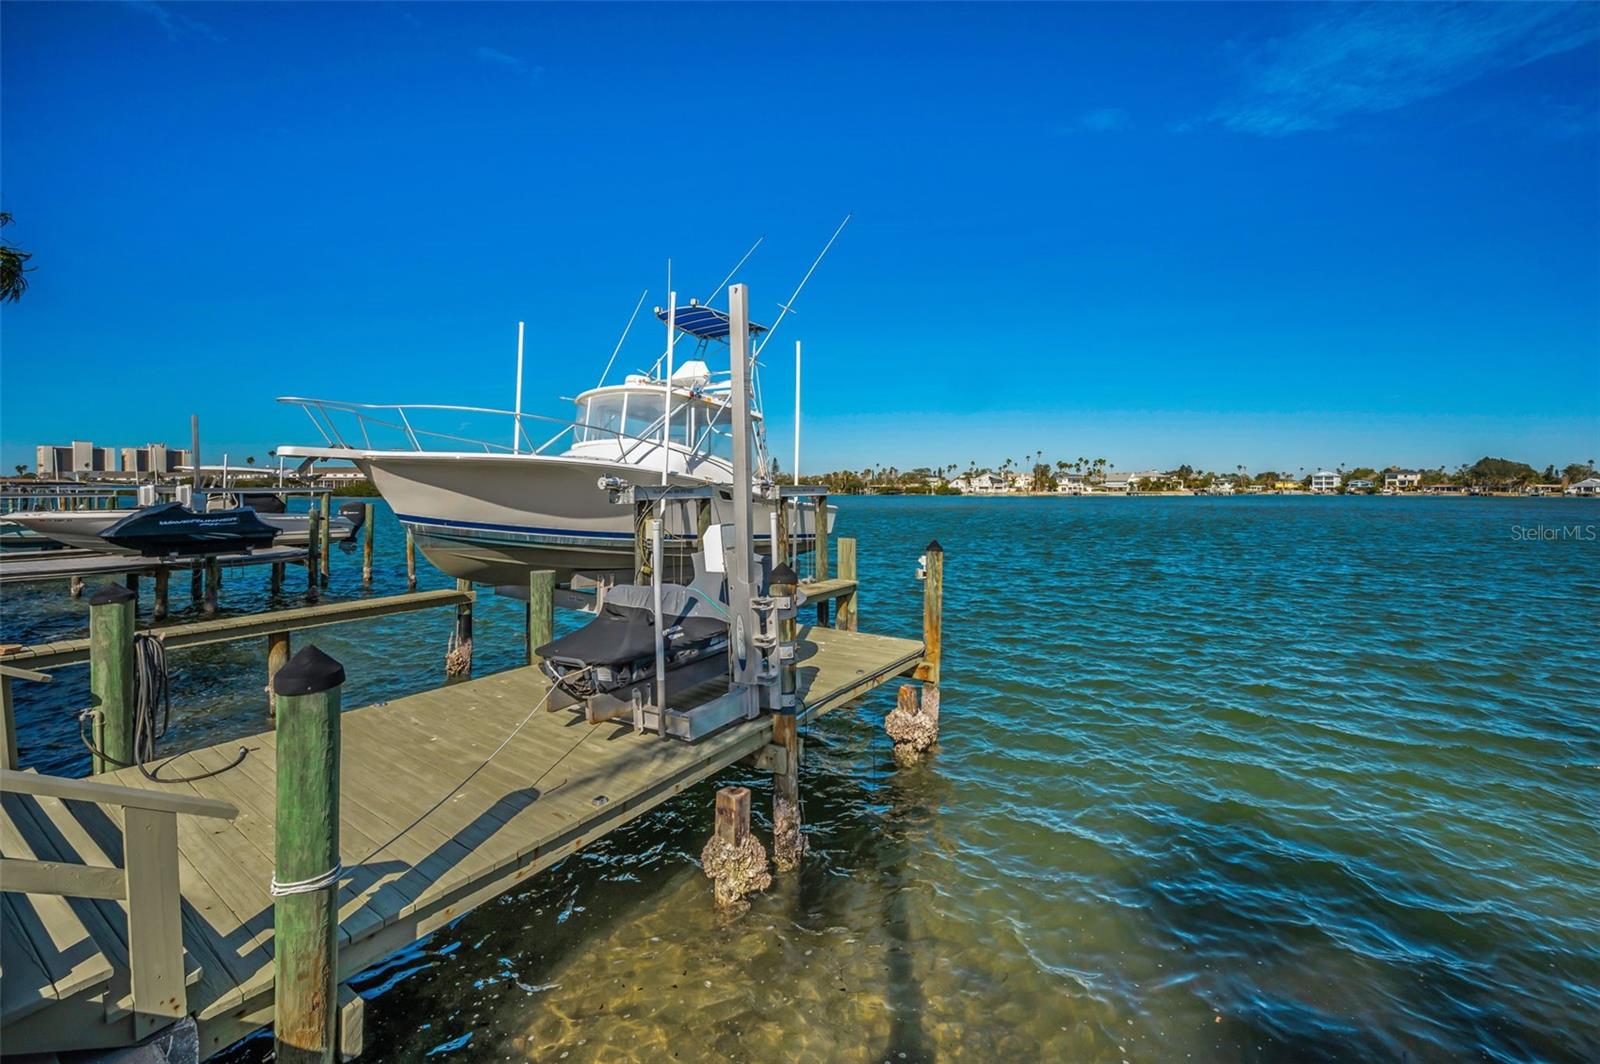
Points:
(492, 518)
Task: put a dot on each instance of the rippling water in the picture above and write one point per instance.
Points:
(1237, 779)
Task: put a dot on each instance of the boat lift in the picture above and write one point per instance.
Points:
(649, 646)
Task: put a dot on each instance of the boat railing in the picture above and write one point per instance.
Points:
(401, 421)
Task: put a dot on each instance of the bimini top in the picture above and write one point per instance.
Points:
(705, 323)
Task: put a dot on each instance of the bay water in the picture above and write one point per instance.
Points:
(1238, 779)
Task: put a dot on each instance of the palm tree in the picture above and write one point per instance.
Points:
(14, 268)
(21, 468)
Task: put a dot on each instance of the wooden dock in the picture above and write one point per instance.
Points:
(19, 567)
(420, 847)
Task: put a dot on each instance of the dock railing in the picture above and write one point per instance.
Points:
(147, 882)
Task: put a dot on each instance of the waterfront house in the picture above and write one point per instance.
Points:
(1585, 487)
(1286, 485)
(1324, 482)
(1072, 484)
(1361, 484)
(1402, 480)
(1117, 482)
(979, 484)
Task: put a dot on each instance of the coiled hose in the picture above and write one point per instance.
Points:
(152, 714)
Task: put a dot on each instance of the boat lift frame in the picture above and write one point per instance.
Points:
(756, 654)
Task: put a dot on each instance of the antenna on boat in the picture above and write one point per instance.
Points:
(797, 414)
(788, 304)
(735, 269)
(516, 420)
(666, 421)
(624, 336)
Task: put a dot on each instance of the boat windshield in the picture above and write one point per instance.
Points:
(636, 414)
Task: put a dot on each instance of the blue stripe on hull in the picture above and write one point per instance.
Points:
(561, 536)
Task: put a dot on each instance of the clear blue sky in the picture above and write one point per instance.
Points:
(1271, 235)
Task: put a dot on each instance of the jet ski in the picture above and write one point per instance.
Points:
(174, 529)
(608, 667)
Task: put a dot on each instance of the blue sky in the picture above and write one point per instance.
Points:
(1281, 236)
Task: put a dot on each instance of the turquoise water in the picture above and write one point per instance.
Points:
(1263, 779)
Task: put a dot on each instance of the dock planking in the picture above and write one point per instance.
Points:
(449, 798)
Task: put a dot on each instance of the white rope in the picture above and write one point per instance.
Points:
(308, 886)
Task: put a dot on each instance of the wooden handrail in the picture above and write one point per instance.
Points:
(14, 782)
(229, 629)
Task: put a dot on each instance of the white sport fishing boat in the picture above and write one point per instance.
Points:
(492, 513)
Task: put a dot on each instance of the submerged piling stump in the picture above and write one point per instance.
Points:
(912, 729)
(305, 882)
(733, 858)
(75, 586)
(411, 560)
(111, 626)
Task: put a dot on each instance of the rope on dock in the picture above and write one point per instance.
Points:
(308, 886)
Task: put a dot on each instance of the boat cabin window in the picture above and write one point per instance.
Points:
(644, 413)
(602, 418)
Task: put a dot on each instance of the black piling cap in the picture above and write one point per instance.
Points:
(934, 548)
(782, 574)
(309, 672)
(111, 595)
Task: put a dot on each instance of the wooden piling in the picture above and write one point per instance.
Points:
(197, 580)
(305, 887)
(313, 548)
(819, 551)
(278, 649)
(458, 661)
(326, 546)
(733, 815)
(541, 610)
(8, 724)
(111, 626)
(787, 842)
(846, 617)
(131, 581)
(411, 560)
(275, 581)
(75, 586)
(366, 544)
(163, 584)
(213, 580)
(932, 614)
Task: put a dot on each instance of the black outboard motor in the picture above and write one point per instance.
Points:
(172, 528)
(356, 514)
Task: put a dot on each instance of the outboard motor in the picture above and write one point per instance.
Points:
(356, 514)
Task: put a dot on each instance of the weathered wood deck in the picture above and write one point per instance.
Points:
(27, 566)
(414, 858)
